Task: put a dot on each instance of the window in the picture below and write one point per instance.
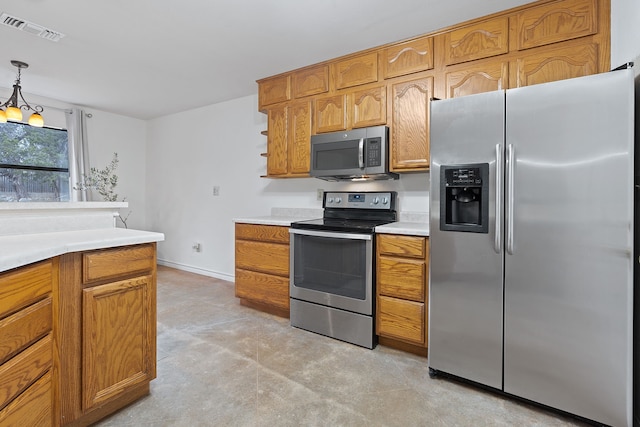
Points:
(34, 163)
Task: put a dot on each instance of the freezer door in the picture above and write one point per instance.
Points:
(568, 265)
(465, 284)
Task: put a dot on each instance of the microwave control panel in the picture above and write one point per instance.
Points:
(373, 152)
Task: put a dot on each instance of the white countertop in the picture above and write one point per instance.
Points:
(19, 250)
(408, 228)
(271, 220)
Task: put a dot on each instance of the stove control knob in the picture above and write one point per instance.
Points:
(338, 199)
(330, 200)
(385, 200)
(376, 200)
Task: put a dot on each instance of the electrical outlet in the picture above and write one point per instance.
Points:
(216, 190)
(197, 247)
(319, 194)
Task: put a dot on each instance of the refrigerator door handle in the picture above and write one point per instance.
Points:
(497, 244)
(509, 220)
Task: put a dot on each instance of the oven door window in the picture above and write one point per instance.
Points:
(335, 266)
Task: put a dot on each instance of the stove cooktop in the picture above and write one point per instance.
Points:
(349, 211)
(338, 224)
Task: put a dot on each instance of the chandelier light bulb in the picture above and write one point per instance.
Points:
(13, 114)
(36, 120)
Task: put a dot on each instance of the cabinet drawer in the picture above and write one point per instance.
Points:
(270, 258)
(311, 81)
(31, 408)
(264, 288)
(356, 71)
(22, 370)
(400, 245)
(409, 57)
(24, 327)
(273, 90)
(556, 22)
(24, 286)
(402, 278)
(263, 233)
(481, 40)
(106, 263)
(401, 319)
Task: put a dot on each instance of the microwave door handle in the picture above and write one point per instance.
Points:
(361, 153)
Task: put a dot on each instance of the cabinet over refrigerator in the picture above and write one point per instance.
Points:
(532, 224)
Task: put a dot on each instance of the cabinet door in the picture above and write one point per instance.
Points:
(575, 59)
(409, 57)
(369, 107)
(410, 124)
(331, 113)
(277, 141)
(118, 338)
(355, 71)
(311, 81)
(299, 137)
(273, 90)
(481, 40)
(555, 22)
(477, 77)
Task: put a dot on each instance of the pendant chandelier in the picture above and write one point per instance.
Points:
(13, 111)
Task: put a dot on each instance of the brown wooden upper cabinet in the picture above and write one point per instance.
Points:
(556, 22)
(567, 60)
(410, 118)
(331, 113)
(479, 76)
(273, 90)
(311, 81)
(408, 57)
(288, 149)
(357, 70)
(481, 40)
(392, 85)
(368, 106)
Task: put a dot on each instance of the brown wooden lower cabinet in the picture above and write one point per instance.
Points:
(106, 331)
(262, 267)
(77, 336)
(26, 344)
(402, 274)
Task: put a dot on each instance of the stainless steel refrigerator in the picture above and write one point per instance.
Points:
(531, 234)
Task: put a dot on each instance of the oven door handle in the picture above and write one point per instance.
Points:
(331, 234)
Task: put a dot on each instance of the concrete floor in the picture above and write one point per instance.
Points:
(221, 364)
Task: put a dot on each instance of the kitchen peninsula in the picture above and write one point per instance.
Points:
(77, 312)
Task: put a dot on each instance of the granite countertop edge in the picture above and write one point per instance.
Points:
(23, 249)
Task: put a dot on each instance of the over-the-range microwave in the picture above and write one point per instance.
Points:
(354, 155)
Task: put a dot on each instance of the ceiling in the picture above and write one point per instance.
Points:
(150, 58)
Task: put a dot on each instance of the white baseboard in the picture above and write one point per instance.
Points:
(197, 270)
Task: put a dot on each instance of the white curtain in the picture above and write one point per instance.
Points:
(78, 152)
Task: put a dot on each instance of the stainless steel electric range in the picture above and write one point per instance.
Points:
(332, 259)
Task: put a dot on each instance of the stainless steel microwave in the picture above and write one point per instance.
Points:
(354, 155)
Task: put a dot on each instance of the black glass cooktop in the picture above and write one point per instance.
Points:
(339, 224)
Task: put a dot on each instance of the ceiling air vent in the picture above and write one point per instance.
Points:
(30, 27)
